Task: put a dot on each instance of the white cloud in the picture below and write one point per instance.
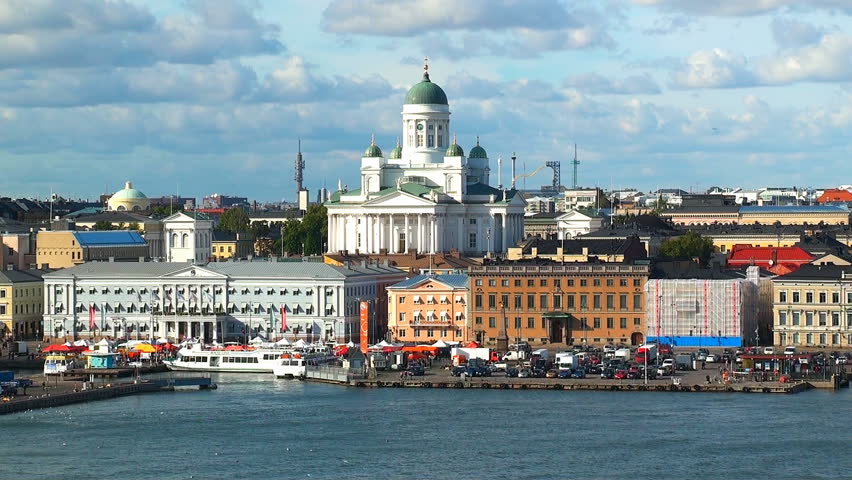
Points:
(789, 32)
(716, 68)
(596, 84)
(735, 8)
(827, 61)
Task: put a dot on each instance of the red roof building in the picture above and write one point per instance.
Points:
(835, 195)
(778, 260)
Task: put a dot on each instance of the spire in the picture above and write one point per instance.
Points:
(454, 139)
(477, 140)
(426, 70)
(372, 139)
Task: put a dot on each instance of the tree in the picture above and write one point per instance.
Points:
(293, 236)
(691, 245)
(133, 226)
(234, 220)
(315, 230)
(165, 210)
(103, 225)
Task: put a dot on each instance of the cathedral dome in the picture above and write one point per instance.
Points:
(396, 153)
(426, 92)
(454, 150)
(128, 199)
(477, 151)
(373, 151)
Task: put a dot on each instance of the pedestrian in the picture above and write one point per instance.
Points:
(703, 364)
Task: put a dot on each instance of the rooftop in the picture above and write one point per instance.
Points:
(22, 276)
(817, 272)
(110, 238)
(452, 281)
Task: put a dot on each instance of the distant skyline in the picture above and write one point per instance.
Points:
(199, 97)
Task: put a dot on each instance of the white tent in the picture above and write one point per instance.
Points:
(283, 341)
(440, 344)
(301, 344)
(257, 340)
(82, 343)
(161, 341)
(350, 344)
(383, 344)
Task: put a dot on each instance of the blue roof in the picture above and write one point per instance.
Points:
(794, 208)
(453, 281)
(110, 238)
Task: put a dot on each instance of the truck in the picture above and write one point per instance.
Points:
(540, 358)
(646, 353)
(567, 360)
(623, 353)
(515, 355)
(464, 355)
(683, 361)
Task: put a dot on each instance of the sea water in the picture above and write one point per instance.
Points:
(257, 427)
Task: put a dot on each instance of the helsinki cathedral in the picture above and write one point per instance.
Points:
(426, 195)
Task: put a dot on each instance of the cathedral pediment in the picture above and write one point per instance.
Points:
(399, 199)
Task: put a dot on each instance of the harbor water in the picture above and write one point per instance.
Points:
(256, 427)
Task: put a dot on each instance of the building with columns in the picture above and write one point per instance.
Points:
(426, 195)
(188, 237)
(222, 301)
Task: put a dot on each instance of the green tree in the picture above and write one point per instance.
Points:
(133, 226)
(103, 225)
(315, 230)
(691, 245)
(234, 220)
(165, 210)
(293, 236)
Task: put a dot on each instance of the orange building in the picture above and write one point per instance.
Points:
(553, 303)
(427, 308)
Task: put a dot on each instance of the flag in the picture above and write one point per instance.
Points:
(91, 317)
(283, 318)
(103, 316)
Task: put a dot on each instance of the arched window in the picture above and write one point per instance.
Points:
(184, 240)
(121, 208)
(173, 242)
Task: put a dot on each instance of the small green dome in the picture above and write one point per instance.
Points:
(426, 93)
(455, 150)
(396, 153)
(128, 192)
(477, 151)
(373, 151)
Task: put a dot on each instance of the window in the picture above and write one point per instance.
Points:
(782, 296)
(835, 319)
(542, 282)
(504, 283)
(795, 296)
(517, 322)
(530, 322)
(584, 282)
(492, 282)
(542, 301)
(531, 301)
(622, 302)
(401, 316)
(637, 282)
(809, 338)
(416, 332)
(492, 301)
(622, 322)
(809, 297)
(596, 301)
(492, 322)
(471, 242)
(597, 322)
(835, 297)
(570, 282)
(2, 309)
(823, 319)
(637, 321)
(477, 302)
(823, 297)
(518, 302)
(530, 283)
(637, 301)
(517, 283)
(609, 282)
(622, 282)
(478, 282)
(782, 318)
(478, 320)
(610, 301)
(809, 319)
(596, 282)
(504, 301)
(796, 318)
(557, 302)
(822, 339)
(584, 302)
(571, 301)
(557, 283)
(610, 322)
(401, 300)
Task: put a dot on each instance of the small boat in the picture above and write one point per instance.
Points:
(295, 365)
(196, 359)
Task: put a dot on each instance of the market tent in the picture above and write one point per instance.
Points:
(257, 340)
(418, 356)
(145, 348)
(440, 344)
(421, 348)
(283, 341)
(162, 340)
(56, 348)
(472, 345)
(350, 344)
(81, 343)
(301, 344)
(383, 344)
(342, 351)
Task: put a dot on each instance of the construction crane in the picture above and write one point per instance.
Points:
(555, 165)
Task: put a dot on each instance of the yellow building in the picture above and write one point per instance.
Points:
(228, 245)
(68, 248)
(21, 304)
(813, 307)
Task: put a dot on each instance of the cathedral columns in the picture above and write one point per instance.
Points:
(503, 246)
(419, 232)
(407, 231)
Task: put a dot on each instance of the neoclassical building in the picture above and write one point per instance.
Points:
(426, 195)
(128, 199)
(188, 237)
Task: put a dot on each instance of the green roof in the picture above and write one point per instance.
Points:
(396, 153)
(477, 151)
(454, 150)
(426, 93)
(373, 151)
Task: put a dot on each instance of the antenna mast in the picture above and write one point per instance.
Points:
(300, 166)
(575, 162)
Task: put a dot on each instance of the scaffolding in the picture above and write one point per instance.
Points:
(702, 313)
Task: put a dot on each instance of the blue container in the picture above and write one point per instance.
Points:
(7, 376)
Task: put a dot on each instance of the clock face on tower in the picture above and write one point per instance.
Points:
(419, 126)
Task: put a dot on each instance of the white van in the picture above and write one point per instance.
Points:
(790, 350)
(769, 350)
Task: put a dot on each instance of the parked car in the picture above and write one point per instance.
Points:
(791, 350)
(593, 369)
(417, 370)
(633, 372)
(457, 371)
(711, 358)
(578, 373)
(564, 373)
(608, 373)
(538, 373)
(668, 362)
(769, 350)
(525, 373)
(609, 348)
(620, 374)
(665, 370)
(512, 372)
(652, 373)
(552, 373)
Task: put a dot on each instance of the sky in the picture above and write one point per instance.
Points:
(197, 97)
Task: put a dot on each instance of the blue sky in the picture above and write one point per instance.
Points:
(203, 96)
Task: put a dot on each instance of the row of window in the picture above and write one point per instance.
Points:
(557, 282)
(193, 290)
(431, 301)
(544, 302)
(822, 339)
(821, 297)
(822, 319)
(430, 332)
(22, 309)
(430, 316)
(222, 249)
(21, 292)
(596, 322)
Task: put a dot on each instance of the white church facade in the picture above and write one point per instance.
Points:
(426, 195)
(188, 237)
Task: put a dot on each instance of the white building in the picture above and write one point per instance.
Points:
(426, 195)
(574, 223)
(220, 301)
(188, 236)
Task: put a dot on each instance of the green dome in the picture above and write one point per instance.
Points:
(373, 151)
(477, 151)
(426, 93)
(455, 150)
(128, 192)
(396, 153)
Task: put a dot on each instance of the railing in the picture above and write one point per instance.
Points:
(334, 374)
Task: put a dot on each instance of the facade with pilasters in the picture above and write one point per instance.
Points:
(426, 195)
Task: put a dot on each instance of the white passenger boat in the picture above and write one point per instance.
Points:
(295, 364)
(196, 359)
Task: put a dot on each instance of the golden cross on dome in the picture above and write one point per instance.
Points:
(426, 64)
